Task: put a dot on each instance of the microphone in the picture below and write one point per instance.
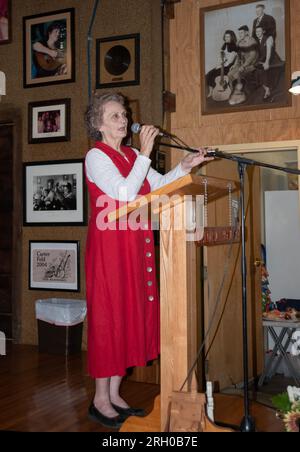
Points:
(136, 128)
(214, 152)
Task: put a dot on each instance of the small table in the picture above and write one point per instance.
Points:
(288, 328)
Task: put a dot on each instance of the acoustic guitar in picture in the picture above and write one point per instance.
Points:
(221, 91)
(48, 63)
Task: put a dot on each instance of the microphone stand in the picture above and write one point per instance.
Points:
(247, 423)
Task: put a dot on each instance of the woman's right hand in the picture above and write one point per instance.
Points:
(147, 137)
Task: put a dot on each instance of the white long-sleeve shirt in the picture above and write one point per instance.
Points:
(102, 171)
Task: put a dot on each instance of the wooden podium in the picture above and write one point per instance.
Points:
(177, 273)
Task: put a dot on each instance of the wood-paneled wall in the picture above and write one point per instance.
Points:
(238, 128)
(264, 125)
(114, 17)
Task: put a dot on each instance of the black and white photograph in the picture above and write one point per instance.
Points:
(54, 265)
(49, 121)
(54, 193)
(245, 54)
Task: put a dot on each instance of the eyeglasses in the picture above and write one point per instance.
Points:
(119, 116)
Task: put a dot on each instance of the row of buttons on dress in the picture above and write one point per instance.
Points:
(149, 269)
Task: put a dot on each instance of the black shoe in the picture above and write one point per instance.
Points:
(129, 411)
(110, 422)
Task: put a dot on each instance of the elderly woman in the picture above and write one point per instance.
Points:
(121, 291)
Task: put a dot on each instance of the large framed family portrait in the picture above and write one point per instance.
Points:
(245, 56)
(54, 193)
(49, 48)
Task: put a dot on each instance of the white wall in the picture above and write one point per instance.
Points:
(282, 222)
(282, 229)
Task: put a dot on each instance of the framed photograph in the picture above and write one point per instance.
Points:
(49, 121)
(245, 56)
(54, 265)
(5, 21)
(54, 193)
(118, 61)
(49, 48)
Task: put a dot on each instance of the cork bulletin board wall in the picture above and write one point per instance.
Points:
(114, 18)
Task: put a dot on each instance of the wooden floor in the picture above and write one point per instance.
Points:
(41, 392)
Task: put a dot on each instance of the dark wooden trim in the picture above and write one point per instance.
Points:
(12, 117)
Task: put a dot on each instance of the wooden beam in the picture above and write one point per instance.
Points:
(169, 8)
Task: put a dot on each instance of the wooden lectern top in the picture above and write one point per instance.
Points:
(190, 184)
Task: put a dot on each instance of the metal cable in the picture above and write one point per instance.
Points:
(89, 44)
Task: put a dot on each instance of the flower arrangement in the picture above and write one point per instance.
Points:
(265, 291)
(288, 406)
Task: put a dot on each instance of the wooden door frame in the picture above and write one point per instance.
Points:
(268, 146)
(279, 146)
(12, 117)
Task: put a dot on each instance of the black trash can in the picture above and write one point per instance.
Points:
(60, 325)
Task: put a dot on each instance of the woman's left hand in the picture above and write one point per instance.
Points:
(195, 159)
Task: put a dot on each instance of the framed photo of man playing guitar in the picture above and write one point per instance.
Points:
(49, 48)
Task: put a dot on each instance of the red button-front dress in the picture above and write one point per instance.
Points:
(121, 288)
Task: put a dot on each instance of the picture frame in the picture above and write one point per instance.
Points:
(54, 265)
(49, 48)
(245, 56)
(49, 121)
(54, 193)
(5, 22)
(118, 61)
